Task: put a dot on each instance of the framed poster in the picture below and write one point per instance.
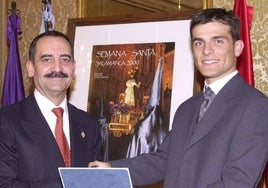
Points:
(129, 70)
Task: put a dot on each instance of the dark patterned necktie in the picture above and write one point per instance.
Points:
(208, 97)
(60, 137)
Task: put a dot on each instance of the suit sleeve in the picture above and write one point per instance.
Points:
(149, 168)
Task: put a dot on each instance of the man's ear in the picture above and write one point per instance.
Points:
(239, 46)
(30, 68)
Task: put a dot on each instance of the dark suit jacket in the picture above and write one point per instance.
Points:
(227, 148)
(29, 154)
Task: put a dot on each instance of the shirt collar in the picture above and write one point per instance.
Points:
(46, 105)
(218, 84)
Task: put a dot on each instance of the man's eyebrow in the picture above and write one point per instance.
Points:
(45, 55)
(197, 39)
(219, 37)
(214, 37)
(66, 55)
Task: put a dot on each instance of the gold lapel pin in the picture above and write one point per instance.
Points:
(83, 134)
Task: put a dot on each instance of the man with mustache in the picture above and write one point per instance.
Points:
(29, 153)
(225, 146)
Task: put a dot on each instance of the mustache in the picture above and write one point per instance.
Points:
(56, 75)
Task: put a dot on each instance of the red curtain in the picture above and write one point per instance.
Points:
(244, 61)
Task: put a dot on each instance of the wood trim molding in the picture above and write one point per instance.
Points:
(3, 43)
(81, 8)
(153, 5)
(168, 5)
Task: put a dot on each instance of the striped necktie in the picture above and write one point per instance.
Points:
(208, 98)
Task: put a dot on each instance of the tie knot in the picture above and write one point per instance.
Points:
(208, 97)
(58, 112)
(208, 92)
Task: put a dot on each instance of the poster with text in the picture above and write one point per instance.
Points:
(130, 93)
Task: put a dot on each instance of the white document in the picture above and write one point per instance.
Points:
(95, 177)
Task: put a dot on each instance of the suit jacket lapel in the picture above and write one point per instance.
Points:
(78, 137)
(217, 108)
(196, 104)
(38, 129)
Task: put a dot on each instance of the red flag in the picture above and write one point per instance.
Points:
(244, 61)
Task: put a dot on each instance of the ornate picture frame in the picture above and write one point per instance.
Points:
(155, 27)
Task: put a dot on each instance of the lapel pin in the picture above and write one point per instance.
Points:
(83, 134)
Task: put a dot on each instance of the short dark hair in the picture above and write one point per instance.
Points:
(218, 15)
(52, 33)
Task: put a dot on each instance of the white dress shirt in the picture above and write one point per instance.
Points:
(46, 107)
